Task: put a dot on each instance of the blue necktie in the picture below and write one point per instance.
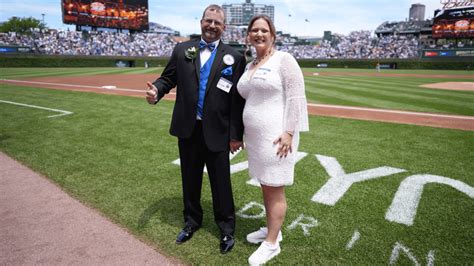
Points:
(203, 45)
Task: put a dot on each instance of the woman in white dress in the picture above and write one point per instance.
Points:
(274, 114)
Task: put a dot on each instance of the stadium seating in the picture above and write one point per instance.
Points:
(356, 45)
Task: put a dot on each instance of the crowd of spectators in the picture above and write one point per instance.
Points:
(459, 43)
(93, 43)
(403, 27)
(357, 45)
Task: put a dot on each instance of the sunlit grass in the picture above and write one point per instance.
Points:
(114, 153)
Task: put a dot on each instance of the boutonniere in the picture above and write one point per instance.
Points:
(191, 53)
(227, 71)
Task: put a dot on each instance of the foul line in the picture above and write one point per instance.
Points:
(389, 111)
(71, 85)
(309, 104)
(63, 112)
(66, 85)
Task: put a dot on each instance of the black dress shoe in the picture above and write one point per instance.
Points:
(184, 235)
(227, 243)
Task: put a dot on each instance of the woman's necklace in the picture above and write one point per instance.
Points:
(258, 60)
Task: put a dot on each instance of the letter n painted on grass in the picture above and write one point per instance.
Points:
(430, 257)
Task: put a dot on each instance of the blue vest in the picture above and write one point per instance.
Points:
(204, 76)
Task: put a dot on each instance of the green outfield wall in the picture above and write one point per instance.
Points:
(422, 63)
(79, 61)
(119, 61)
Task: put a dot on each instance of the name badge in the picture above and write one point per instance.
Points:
(262, 73)
(224, 85)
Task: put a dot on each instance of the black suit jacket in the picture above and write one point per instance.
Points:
(222, 112)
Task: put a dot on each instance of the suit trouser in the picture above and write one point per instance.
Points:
(194, 154)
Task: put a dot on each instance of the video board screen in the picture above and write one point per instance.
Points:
(462, 28)
(455, 23)
(120, 14)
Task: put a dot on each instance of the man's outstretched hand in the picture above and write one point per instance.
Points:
(151, 93)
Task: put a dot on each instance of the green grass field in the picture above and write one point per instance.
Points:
(401, 93)
(115, 154)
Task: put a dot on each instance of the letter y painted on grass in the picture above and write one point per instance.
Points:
(339, 182)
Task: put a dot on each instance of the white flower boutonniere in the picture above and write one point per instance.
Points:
(191, 53)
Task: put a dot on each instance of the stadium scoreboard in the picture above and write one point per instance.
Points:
(121, 14)
(454, 23)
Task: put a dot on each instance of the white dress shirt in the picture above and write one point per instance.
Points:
(205, 54)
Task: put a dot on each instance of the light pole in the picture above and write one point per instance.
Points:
(306, 21)
(289, 16)
(43, 18)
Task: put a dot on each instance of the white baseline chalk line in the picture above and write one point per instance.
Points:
(309, 104)
(73, 85)
(66, 85)
(390, 111)
(63, 112)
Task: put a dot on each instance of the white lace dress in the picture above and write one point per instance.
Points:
(275, 103)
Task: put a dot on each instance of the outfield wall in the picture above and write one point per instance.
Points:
(443, 63)
(13, 60)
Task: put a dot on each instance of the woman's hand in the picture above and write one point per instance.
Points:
(284, 140)
(235, 145)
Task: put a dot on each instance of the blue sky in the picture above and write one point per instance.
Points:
(339, 16)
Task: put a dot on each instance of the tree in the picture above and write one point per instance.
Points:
(21, 25)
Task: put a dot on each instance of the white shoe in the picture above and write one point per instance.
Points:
(253, 182)
(264, 253)
(260, 235)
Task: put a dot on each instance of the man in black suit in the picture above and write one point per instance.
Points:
(207, 119)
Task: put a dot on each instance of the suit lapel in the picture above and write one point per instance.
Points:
(215, 65)
(197, 62)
